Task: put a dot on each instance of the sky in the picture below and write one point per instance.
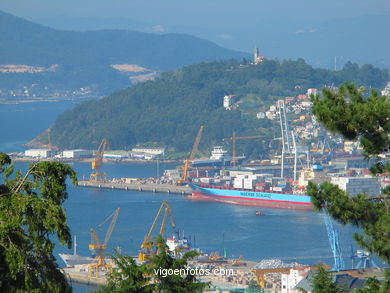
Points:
(200, 12)
(239, 25)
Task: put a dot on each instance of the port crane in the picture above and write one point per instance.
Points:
(184, 175)
(365, 259)
(98, 248)
(333, 236)
(215, 256)
(49, 144)
(234, 138)
(238, 261)
(97, 163)
(147, 245)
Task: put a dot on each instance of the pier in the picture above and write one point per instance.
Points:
(149, 187)
(79, 274)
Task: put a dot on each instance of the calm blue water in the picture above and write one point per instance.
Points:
(20, 123)
(291, 235)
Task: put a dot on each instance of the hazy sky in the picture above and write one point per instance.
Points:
(199, 12)
(281, 28)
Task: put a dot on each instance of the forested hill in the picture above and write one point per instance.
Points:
(85, 58)
(170, 109)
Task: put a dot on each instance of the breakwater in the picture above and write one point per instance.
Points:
(149, 187)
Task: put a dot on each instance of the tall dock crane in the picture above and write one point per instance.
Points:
(49, 145)
(98, 248)
(147, 245)
(333, 236)
(234, 138)
(183, 178)
(97, 163)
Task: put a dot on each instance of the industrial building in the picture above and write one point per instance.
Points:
(39, 153)
(77, 154)
(348, 162)
(356, 185)
(147, 153)
(116, 155)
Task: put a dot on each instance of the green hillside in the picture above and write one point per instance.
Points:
(170, 109)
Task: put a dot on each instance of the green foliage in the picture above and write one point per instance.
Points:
(354, 116)
(254, 287)
(372, 286)
(174, 283)
(372, 216)
(128, 277)
(322, 282)
(170, 109)
(144, 278)
(349, 113)
(31, 213)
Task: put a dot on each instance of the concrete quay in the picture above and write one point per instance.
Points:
(79, 274)
(149, 187)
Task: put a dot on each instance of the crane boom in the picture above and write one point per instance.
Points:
(112, 225)
(146, 246)
(99, 248)
(234, 138)
(146, 239)
(333, 236)
(196, 143)
(95, 237)
(192, 155)
(98, 162)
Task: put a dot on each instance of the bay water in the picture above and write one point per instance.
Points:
(287, 234)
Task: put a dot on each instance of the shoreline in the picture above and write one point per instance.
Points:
(89, 160)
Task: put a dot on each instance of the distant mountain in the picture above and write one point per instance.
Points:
(85, 58)
(169, 110)
(361, 39)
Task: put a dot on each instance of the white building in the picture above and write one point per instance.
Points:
(39, 153)
(306, 104)
(150, 151)
(313, 91)
(228, 101)
(77, 154)
(147, 153)
(290, 280)
(386, 91)
(116, 155)
(256, 56)
(260, 115)
(356, 185)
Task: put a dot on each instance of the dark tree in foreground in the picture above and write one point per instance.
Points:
(322, 282)
(366, 119)
(152, 276)
(175, 283)
(31, 213)
(128, 277)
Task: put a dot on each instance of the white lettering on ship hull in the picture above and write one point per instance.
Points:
(253, 194)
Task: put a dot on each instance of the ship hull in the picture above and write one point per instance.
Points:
(73, 259)
(252, 198)
(210, 163)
